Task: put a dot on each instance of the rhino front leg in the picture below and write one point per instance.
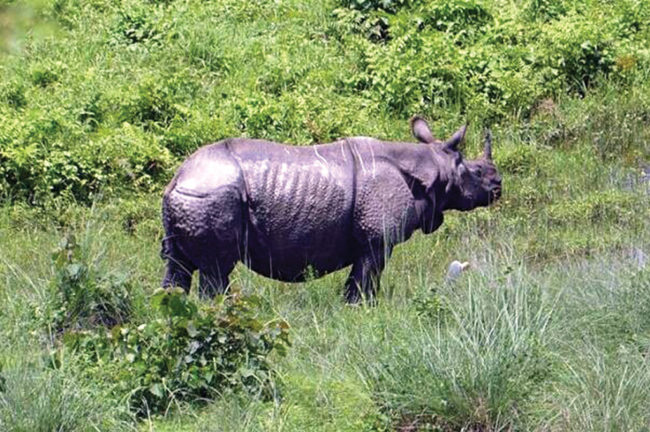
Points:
(364, 279)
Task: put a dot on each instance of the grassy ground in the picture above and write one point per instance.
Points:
(554, 340)
(549, 330)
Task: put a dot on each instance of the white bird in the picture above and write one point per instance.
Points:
(455, 269)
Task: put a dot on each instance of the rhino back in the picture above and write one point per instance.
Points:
(300, 203)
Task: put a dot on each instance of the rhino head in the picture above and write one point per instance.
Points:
(467, 183)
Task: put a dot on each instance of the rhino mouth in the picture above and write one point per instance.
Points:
(495, 193)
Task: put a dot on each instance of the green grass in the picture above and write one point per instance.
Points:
(515, 343)
(549, 330)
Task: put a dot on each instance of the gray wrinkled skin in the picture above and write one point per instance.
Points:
(288, 211)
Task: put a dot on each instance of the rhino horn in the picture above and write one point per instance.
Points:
(457, 138)
(487, 151)
(421, 131)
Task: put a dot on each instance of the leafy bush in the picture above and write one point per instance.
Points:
(366, 5)
(141, 23)
(81, 296)
(545, 10)
(412, 72)
(459, 17)
(38, 163)
(632, 17)
(575, 53)
(13, 94)
(193, 352)
(46, 74)
(92, 112)
(151, 103)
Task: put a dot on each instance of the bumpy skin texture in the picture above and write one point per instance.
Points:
(288, 211)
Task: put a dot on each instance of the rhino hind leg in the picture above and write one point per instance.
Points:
(179, 269)
(214, 280)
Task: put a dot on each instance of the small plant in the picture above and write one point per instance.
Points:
(545, 10)
(190, 353)
(457, 16)
(81, 296)
(13, 94)
(152, 104)
(431, 306)
(140, 24)
(43, 76)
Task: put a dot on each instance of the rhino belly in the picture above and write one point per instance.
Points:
(300, 221)
(297, 264)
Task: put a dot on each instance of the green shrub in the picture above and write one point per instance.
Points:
(81, 296)
(374, 27)
(209, 49)
(522, 159)
(575, 53)
(366, 5)
(193, 352)
(141, 23)
(44, 75)
(545, 10)
(458, 17)
(13, 94)
(632, 17)
(413, 72)
(152, 103)
(92, 111)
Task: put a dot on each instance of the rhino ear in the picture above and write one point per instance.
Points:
(421, 131)
(457, 138)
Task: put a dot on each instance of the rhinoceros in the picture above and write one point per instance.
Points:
(291, 212)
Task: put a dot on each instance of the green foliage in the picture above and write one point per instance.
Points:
(432, 306)
(141, 23)
(81, 295)
(151, 104)
(190, 353)
(406, 78)
(126, 90)
(545, 10)
(365, 5)
(45, 74)
(456, 17)
(12, 93)
(576, 53)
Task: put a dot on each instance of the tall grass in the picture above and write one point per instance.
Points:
(36, 397)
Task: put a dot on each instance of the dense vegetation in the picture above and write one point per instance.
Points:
(100, 101)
